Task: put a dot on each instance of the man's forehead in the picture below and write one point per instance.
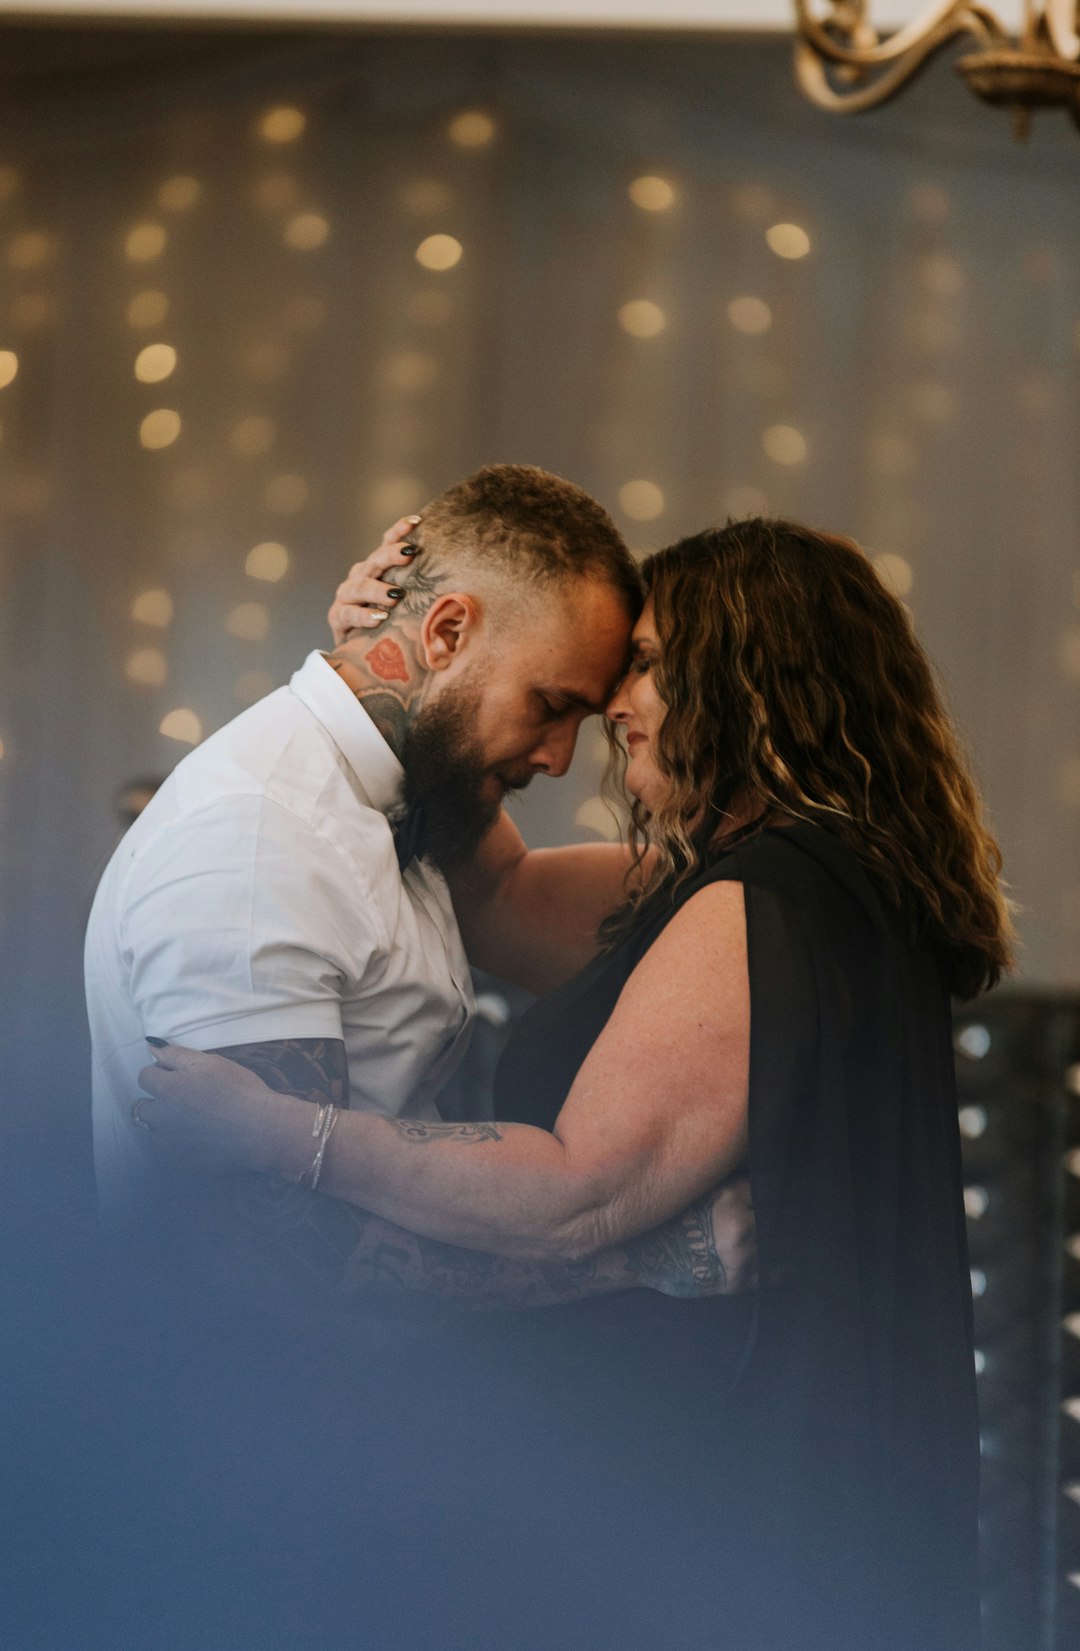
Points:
(587, 653)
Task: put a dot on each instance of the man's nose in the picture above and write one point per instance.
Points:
(556, 753)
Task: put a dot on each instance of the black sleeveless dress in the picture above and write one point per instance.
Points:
(798, 1467)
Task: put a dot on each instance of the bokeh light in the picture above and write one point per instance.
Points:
(9, 367)
(283, 124)
(652, 193)
(148, 667)
(749, 315)
(154, 363)
(641, 500)
(439, 252)
(641, 318)
(250, 621)
(784, 444)
(471, 129)
(268, 561)
(153, 607)
(306, 232)
(182, 725)
(159, 428)
(144, 243)
(788, 240)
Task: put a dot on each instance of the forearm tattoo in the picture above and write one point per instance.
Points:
(390, 1266)
(415, 1129)
(680, 1258)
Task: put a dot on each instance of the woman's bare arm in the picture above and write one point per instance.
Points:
(656, 1117)
(532, 915)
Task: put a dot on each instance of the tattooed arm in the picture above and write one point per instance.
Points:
(707, 1250)
(312, 1069)
(657, 1115)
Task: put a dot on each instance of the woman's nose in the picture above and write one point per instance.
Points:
(618, 707)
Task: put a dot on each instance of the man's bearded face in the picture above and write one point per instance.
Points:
(445, 770)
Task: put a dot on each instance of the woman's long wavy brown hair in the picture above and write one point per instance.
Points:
(794, 682)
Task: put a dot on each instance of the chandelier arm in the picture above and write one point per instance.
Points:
(1061, 16)
(812, 77)
(952, 16)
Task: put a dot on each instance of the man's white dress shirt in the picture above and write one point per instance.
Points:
(258, 898)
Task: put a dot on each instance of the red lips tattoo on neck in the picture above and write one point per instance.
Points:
(387, 662)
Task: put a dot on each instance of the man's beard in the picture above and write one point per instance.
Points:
(445, 771)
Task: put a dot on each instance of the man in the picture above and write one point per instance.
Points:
(266, 903)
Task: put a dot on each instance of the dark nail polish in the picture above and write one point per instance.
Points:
(409, 549)
(159, 1043)
(396, 592)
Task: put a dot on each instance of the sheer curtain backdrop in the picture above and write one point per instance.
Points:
(260, 294)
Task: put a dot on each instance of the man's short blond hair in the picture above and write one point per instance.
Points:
(522, 524)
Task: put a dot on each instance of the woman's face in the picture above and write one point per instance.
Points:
(639, 711)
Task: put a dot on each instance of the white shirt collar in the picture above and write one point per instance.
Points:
(333, 702)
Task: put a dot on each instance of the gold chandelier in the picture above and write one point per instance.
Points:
(844, 65)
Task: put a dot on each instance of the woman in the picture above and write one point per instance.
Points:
(773, 987)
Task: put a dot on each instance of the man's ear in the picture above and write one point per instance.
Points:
(448, 626)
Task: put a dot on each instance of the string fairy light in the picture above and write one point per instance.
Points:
(472, 129)
(749, 315)
(249, 621)
(652, 193)
(145, 242)
(160, 428)
(306, 232)
(181, 724)
(268, 561)
(153, 607)
(439, 252)
(641, 500)
(282, 125)
(784, 444)
(788, 240)
(154, 363)
(641, 318)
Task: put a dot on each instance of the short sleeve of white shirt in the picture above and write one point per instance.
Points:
(242, 923)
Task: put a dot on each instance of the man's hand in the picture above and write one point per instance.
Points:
(709, 1249)
(368, 592)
